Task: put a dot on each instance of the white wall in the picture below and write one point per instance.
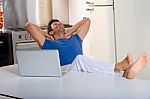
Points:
(133, 30)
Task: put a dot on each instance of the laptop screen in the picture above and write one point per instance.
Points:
(37, 62)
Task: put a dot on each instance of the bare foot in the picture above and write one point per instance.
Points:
(125, 74)
(125, 64)
(137, 66)
(130, 60)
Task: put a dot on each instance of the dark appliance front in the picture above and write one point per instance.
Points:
(6, 49)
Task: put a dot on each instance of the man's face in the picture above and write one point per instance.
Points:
(58, 27)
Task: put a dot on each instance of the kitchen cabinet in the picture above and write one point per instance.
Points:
(100, 41)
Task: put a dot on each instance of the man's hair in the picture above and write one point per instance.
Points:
(50, 23)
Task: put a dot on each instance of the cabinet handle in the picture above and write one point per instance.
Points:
(88, 9)
(87, 2)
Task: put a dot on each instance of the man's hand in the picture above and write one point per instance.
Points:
(81, 28)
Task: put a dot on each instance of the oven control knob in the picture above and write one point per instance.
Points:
(19, 36)
(30, 37)
(26, 37)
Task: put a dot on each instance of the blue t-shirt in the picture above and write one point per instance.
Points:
(68, 48)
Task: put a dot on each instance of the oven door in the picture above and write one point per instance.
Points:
(25, 45)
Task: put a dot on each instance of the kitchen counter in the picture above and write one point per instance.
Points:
(72, 85)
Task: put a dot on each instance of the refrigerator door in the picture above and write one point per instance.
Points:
(100, 2)
(78, 10)
(99, 42)
(102, 34)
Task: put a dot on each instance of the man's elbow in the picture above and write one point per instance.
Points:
(87, 19)
(28, 25)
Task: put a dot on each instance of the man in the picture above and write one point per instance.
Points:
(69, 45)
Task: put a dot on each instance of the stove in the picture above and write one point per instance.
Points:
(22, 36)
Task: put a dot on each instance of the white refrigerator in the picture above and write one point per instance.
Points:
(132, 22)
(100, 41)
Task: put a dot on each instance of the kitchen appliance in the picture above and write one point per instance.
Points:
(15, 13)
(18, 12)
(6, 48)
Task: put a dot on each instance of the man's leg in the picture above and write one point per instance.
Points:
(137, 66)
(124, 64)
(85, 64)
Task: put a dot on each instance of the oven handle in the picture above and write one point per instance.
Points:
(26, 45)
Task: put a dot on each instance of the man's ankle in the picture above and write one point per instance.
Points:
(117, 67)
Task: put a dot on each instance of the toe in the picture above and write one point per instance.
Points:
(130, 58)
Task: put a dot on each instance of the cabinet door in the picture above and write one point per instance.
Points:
(102, 34)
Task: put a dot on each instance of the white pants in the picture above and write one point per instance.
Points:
(84, 64)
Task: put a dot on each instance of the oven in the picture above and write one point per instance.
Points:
(24, 40)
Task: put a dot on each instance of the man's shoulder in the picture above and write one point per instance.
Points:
(76, 36)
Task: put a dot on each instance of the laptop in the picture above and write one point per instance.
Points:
(37, 62)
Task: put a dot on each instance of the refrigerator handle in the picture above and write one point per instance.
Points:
(87, 2)
(90, 9)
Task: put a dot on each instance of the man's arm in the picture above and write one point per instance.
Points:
(37, 33)
(81, 28)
